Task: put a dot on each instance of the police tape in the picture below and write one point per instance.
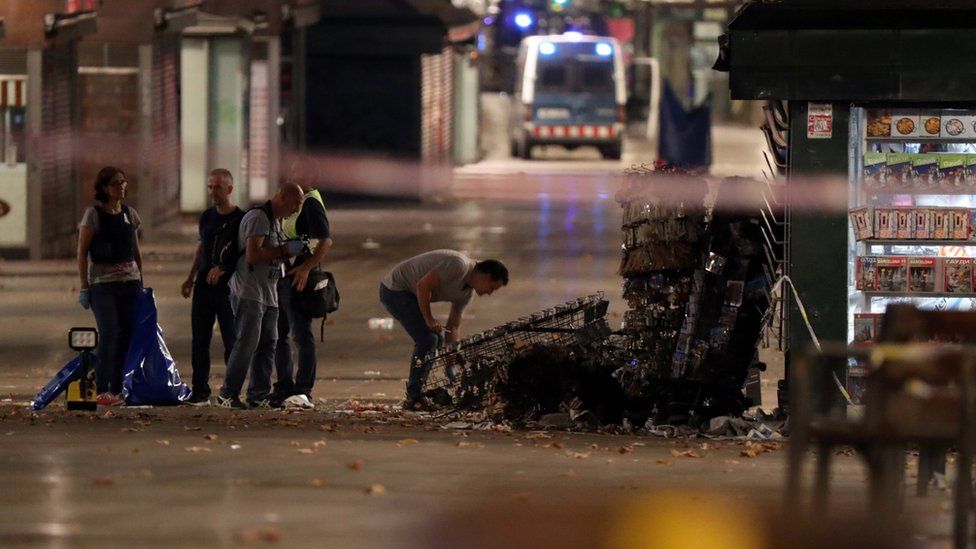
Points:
(785, 280)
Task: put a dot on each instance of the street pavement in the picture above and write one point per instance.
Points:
(356, 472)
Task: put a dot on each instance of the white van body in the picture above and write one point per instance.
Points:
(570, 90)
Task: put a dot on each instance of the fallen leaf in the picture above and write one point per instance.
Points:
(376, 489)
(162, 442)
(209, 437)
(141, 422)
(295, 443)
(625, 449)
(130, 430)
(355, 465)
(609, 461)
(197, 449)
(664, 462)
(731, 462)
(686, 453)
(532, 436)
(572, 473)
(407, 442)
(103, 481)
(317, 482)
(135, 450)
(318, 444)
(186, 428)
(468, 444)
(594, 446)
(578, 455)
(306, 451)
(262, 534)
(328, 427)
(554, 446)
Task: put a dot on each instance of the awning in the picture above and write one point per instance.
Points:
(872, 51)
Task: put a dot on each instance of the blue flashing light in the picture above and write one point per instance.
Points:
(523, 20)
(547, 48)
(602, 48)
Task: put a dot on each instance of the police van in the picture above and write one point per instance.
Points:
(570, 90)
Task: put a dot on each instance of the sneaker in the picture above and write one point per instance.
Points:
(199, 399)
(108, 399)
(299, 401)
(266, 403)
(229, 402)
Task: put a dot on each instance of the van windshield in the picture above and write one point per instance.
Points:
(574, 67)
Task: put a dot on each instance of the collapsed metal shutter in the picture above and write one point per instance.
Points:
(56, 153)
(437, 90)
(164, 153)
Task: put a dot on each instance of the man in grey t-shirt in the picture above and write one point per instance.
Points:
(254, 298)
(441, 275)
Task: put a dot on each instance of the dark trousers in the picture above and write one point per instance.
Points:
(210, 303)
(403, 306)
(113, 304)
(299, 326)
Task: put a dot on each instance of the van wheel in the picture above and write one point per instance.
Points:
(524, 150)
(611, 152)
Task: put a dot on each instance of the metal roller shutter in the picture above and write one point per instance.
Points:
(164, 151)
(56, 157)
(437, 108)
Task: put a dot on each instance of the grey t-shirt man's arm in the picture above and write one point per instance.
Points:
(257, 282)
(453, 269)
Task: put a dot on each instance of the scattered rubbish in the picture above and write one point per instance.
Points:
(235, 446)
(376, 489)
(370, 244)
(317, 482)
(355, 465)
(385, 323)
(407, 442)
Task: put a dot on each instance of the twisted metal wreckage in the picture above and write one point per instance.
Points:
(696, 282)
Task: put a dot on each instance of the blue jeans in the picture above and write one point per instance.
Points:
(113, 304)
(257, 335)
(403, 306)
(209, 303)
(293, 322)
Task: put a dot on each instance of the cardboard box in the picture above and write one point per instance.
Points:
(866, 274)
(862, 223)
(958, 275)
(925, 171)
(922, 275)
(921, 224)
(875, 170)
(898, 170)
(940, 224)
(952, 171)
(905, 124)
(892, 274)
(884, 224)
(902, 216)
(959, 223)
(866, 328)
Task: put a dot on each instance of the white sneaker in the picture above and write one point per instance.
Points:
(299, 401)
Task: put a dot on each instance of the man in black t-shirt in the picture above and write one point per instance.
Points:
(207, 282)
(311, 221)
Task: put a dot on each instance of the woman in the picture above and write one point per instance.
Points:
(110, 266)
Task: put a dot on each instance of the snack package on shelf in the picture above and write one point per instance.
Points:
(866, 274)
(866, 328)
(940, 224)
(921, 224)
(925, 171)
(952, 171)
(875, 170)
(884, 226)
(905, 124)
(902, 219)
(931, 124)
(878, 123)
(956, 126)
(959, 223)
(972, 225)
(958, 275)
(922, 275)
(857, 383)
(898, 170)
(969, 176)
(892, 274)
(862, 223)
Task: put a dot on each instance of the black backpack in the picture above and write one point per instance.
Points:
(319, 297)
(226, 246)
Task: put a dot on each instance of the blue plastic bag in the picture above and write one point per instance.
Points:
(149, 375)
(53, 388)
(686, 136)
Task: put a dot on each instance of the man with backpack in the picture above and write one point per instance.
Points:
(254, 298)
(213, 264)
(293, 319)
